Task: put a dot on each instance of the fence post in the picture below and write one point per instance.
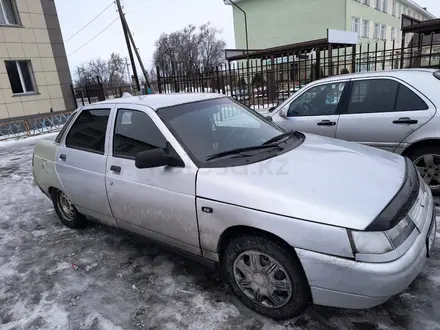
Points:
(218, 79)
(74, 95)
(101, 95)
(159, 86)
(353, 59)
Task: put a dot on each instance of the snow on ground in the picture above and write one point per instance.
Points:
(124, 282)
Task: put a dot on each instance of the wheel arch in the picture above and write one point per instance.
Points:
(236, 231)
(420, 144)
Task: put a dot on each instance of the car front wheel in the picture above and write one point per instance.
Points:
(66, 211)
(266, 277)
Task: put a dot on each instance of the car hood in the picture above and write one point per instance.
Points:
(323, 180)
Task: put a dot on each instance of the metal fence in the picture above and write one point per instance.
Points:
(270, 79)
(50, 122)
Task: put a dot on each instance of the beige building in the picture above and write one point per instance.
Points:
(34, 73)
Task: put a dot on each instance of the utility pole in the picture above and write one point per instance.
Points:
(136, 51)
(127, 41)
(128, 69)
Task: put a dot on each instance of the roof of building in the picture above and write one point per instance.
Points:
(414, 26)
(157, 101)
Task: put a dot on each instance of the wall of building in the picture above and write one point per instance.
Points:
(37, 39)
(280, 22)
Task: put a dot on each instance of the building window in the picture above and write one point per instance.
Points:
(366, 2)
(409, 12)
(365, 32)
(378, 2)
(355, 25)
(8, 13)
(400, 10)
(384, 6)
(20, 76)
(393, 33)
(394, 8)
(383, 32)
(376, 31)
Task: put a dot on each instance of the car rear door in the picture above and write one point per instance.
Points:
(316, 110)
(156, 202)
(382, 112)
(81, 162)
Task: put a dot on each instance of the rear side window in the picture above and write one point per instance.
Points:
(63, 130)
(375, 95)
(135, 131)
(88, 131)
(407, 100)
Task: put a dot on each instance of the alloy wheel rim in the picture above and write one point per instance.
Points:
(429, 168)
(65, 206)
(262, 279)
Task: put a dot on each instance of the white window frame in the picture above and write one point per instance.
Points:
(393, 33)
(383, 32)
(376, 33)
(365, 33)
(394, 8)
(366, 2)
(355, 22)
(378, 4)
(384, 6)
(20, 74)
(15, 12)
(400, 10)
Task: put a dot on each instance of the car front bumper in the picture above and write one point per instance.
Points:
(347, 283)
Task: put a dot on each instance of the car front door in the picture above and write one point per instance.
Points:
(156, 202)
(81, 162)
(382, 112)
(316, 110)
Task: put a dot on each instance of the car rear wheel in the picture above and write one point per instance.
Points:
(66, 211)
(427, 161)
(266, 277)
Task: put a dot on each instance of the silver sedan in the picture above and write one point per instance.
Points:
(395, 111)
(290, 218)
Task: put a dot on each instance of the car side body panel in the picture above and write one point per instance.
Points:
(44, 169)
(299, 233)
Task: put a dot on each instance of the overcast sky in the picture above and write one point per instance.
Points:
(147, 20)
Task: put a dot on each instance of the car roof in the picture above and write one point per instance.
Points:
(157, 101)
(390, 73)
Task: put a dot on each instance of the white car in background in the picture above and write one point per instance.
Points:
(395, 111)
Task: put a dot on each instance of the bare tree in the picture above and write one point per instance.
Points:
(111, 72)
(190, 48)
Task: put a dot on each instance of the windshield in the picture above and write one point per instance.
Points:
(217, 126)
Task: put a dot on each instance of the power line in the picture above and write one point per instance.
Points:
(102, 12)
(96, 36)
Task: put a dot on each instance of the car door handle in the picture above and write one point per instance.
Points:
(326, 123)
(63, 157)
(116, 169)
(405, 120)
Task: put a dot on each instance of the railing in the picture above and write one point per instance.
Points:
(33, 126)
(270, 79)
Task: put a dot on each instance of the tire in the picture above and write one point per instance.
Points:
(72, 219)
(284, 303)
(430, 171)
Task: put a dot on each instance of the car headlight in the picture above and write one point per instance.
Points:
(376, 242)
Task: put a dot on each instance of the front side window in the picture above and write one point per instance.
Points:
(376, 95)
(321, 100)
(211, 127)
(8, 13)
(63, 130)
(21, 77)
(89, 130)
(135, 132)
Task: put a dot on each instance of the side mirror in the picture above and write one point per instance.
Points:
(157, 158)
(283, 112)
(269, 118)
